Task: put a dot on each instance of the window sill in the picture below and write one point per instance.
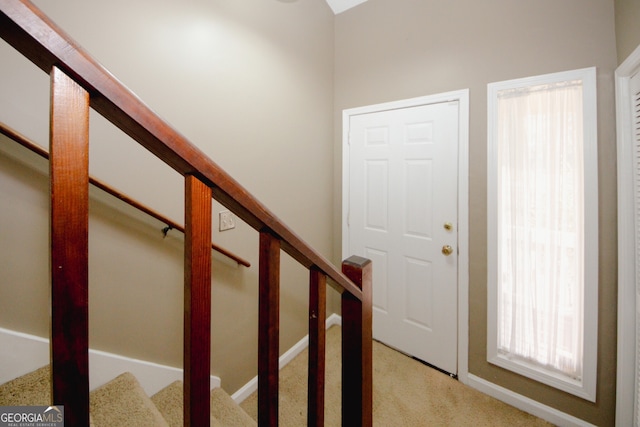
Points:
(537, 373)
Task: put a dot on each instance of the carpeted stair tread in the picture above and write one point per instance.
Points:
(224, 408)
(169, 402)
(33, 388)
(123, 402)
(224, 411)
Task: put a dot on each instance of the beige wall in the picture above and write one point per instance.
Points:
(251, 84)
(257, 78)
(394, 49)
(627, 28)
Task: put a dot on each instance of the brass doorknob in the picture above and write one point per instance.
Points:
(447, 250)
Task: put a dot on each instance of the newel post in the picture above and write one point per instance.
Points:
(357, 346)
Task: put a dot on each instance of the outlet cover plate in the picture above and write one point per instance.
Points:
(227, 221)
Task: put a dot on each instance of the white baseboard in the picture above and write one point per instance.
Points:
(526, 404)
(250, 387)
(22, 353)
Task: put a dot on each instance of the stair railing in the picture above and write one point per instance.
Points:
(78, 82)
(17, 137)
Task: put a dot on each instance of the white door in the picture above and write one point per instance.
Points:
(403, 171)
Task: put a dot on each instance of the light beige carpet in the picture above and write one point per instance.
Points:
(405, 393)
(123, 402)
(224, 411)
(169, 403)
(31, 389)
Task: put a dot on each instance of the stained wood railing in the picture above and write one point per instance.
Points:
(170, 224)
(79, 82)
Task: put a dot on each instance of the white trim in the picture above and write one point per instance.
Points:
(250, 387)
(462, 96)
(22, 353)
(586, 387)
(526, 404)
(625, 386)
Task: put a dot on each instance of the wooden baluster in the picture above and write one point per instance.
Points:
(197, 303)
(317, 329)
(268, 329)
(69, 169)
(357, 346)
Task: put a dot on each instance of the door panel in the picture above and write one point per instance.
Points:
(403, 189)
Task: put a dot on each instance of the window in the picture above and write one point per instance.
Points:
(543, 230)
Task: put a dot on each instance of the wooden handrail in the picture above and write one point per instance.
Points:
(30, 145)
(29, 31)
(77, 76)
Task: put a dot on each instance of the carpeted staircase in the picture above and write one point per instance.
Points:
(405, 393)
(123, 402)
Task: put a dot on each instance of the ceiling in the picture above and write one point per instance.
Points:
(339, 6)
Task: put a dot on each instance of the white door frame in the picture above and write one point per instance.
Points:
(462, 96)
(625, 387)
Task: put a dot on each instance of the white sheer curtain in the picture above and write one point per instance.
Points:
(540, 226)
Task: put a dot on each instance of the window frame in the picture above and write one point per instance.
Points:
(586, 387)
